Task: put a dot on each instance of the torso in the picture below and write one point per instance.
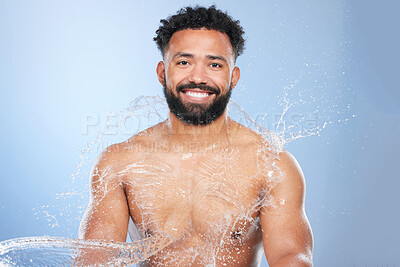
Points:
(207, 198)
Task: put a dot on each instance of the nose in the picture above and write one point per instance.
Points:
(198, 75)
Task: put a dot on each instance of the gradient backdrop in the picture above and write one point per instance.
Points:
(67, 68)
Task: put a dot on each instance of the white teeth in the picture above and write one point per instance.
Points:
(195, 94)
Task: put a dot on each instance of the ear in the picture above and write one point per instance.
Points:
(235, 76)
(161, 72)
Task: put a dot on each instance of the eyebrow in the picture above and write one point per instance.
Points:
(188, 55)
(217, 57)
(181, 54)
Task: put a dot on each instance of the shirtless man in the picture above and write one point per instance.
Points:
(215, 187)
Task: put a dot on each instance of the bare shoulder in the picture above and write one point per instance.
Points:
(279, 162)
(290, 185)
(115, 158)
(246, 136)
(118, 153)
(256, 146)
(288, 165)
(112, 157)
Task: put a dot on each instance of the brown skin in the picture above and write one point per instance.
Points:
(200, 181)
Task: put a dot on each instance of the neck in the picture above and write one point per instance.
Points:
(217, 131)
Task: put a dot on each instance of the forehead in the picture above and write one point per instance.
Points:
(199, 42)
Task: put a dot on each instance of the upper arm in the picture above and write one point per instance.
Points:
(286, 231)
(107, 214)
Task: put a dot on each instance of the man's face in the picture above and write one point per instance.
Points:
(198, 75)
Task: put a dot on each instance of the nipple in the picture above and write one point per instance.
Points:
(236, 234)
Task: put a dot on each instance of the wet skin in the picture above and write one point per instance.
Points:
(212, 188)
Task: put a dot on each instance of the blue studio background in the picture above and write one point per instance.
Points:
(68, 67)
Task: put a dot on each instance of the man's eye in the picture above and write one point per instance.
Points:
(215, 65)
(183, 62)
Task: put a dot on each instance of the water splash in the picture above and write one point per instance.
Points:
(150, 173)
(58, 251)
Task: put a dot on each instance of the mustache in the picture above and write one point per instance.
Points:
(204, 87)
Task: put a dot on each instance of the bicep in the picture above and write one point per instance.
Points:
(107, 214)
(284, 223)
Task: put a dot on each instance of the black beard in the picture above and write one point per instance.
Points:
(193, 113)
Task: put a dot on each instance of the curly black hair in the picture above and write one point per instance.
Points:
(200, 17)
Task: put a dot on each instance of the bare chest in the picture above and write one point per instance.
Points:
(208, 195)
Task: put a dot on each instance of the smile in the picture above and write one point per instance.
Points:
(196, 95)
